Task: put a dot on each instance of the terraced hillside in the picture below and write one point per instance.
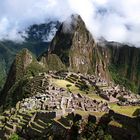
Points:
(54, 109)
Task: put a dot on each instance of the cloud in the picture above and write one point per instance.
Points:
(115, 20)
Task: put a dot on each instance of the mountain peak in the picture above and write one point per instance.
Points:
(73, 43)
(24, 58)
(72, 23)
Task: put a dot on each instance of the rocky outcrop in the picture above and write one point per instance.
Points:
(22, 61)
(19, 66)
(74, 45)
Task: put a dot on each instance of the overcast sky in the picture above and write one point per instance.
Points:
(115, 20)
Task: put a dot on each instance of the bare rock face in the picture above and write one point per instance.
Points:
(27, 60)
(81, 53)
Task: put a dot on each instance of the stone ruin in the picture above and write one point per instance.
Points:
(45, 111)
(107, 90)
(55, 98)
(39, 124)
(120, 95)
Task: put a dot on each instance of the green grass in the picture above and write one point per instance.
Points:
(126, 110)
(35, 123)
(115, 123)
(74, 89)
(66, 127)
(36, 130)
(2, 117)
(64, 83)
(84, 113)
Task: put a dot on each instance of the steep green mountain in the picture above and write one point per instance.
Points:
(24, 66)
(77, 49)
(6, 57)
(124, 64)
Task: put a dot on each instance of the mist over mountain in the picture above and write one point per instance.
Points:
(37, 39)
(103, 18)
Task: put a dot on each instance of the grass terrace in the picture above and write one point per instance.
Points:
(126, 110)
(115, 123)
(84, 113)
(74, 89)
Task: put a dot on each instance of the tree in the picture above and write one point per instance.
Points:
(100, 133)
(89, 131)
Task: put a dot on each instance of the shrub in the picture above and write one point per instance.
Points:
(108, 137)
(14, 137)
(84, 87)
(68, 85)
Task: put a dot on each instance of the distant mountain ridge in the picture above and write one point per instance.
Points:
(37, 40)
